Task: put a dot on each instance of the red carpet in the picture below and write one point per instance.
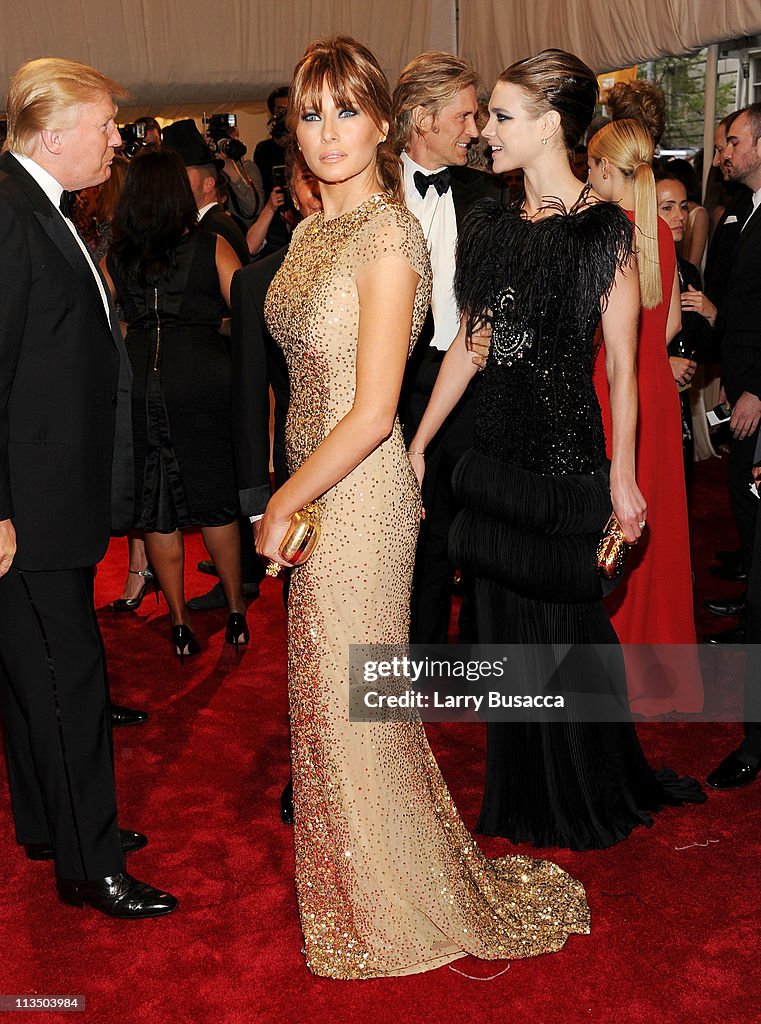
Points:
(675, 931)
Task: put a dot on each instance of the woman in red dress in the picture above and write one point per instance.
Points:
(654, 603)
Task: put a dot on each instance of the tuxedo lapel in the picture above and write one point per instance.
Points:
(54, 227)
(748, 237)
(462, 200)
(62, 238)
(468, 186)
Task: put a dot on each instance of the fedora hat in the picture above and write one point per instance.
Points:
(186, 140)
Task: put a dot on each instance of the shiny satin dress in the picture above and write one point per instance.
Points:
(389, 880)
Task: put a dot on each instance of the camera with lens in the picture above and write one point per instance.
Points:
(133, 138)
(277, 126)
(218, 127)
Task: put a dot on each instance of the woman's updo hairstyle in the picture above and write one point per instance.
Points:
(354, 78)
(556, 80)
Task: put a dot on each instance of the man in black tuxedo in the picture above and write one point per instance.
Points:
(258, 363)
(66, 480)
(435, 110)
(739, 322)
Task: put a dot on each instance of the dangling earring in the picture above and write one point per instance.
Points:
(544, 142)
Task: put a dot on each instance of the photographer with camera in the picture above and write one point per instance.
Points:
(152, 135)
(245, 189)
(296, 194)
(133, 138)
(269, 152)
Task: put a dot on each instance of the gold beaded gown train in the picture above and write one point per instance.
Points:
(389, 880)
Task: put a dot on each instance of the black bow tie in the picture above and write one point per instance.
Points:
(441, 181)
(66, 203)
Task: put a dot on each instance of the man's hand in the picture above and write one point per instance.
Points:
(683, 370)
(7, 545)
(746, 415)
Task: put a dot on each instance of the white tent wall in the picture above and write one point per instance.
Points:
(494, 33)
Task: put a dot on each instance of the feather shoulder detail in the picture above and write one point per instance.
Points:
(566, 261)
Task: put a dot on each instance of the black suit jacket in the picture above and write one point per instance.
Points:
(468, 186)
(257, 362)
(723, 242)
(66, 476)
(739, 321)
(219, 223)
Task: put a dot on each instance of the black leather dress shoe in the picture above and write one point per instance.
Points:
(131, 841)
(286, 804)
(215, 598)
(734, 606)
(733, 635)
(732, 573)
(732, 773)
(206, 565)
(733, 558)
(118, 896)
(127, 716)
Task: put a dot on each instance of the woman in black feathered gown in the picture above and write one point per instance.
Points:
(536, 488)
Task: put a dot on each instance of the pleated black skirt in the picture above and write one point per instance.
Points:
(530, 539)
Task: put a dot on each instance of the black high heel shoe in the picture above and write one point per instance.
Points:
(236, 631)
(184, 641)
(131, 604)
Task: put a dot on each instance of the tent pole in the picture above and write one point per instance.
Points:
(709, 117)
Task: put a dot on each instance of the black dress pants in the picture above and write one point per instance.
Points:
(744, 505)
(432, 580)
(751, 747)
(55, 704)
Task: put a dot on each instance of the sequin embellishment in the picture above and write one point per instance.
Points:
(389, 881)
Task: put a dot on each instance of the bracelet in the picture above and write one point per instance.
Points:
(410, 452)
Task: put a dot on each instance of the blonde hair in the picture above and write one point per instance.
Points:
(628, 146)
(431, 81)
(44, 95)
(353, 76)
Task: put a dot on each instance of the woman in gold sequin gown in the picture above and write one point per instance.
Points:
(389, 880)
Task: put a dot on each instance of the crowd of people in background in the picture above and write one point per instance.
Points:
(510, 306)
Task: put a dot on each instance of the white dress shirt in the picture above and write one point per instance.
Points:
(437, 219)
(756, 202)
(54, 190)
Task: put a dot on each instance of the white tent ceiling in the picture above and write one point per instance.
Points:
(178, 53)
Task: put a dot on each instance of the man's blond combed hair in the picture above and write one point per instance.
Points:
(44, 95)
(430, 81)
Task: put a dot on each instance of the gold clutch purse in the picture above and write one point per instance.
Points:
(300, 539)
(612, 549)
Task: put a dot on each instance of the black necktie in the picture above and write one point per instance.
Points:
(441, 181)
(66, 203)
